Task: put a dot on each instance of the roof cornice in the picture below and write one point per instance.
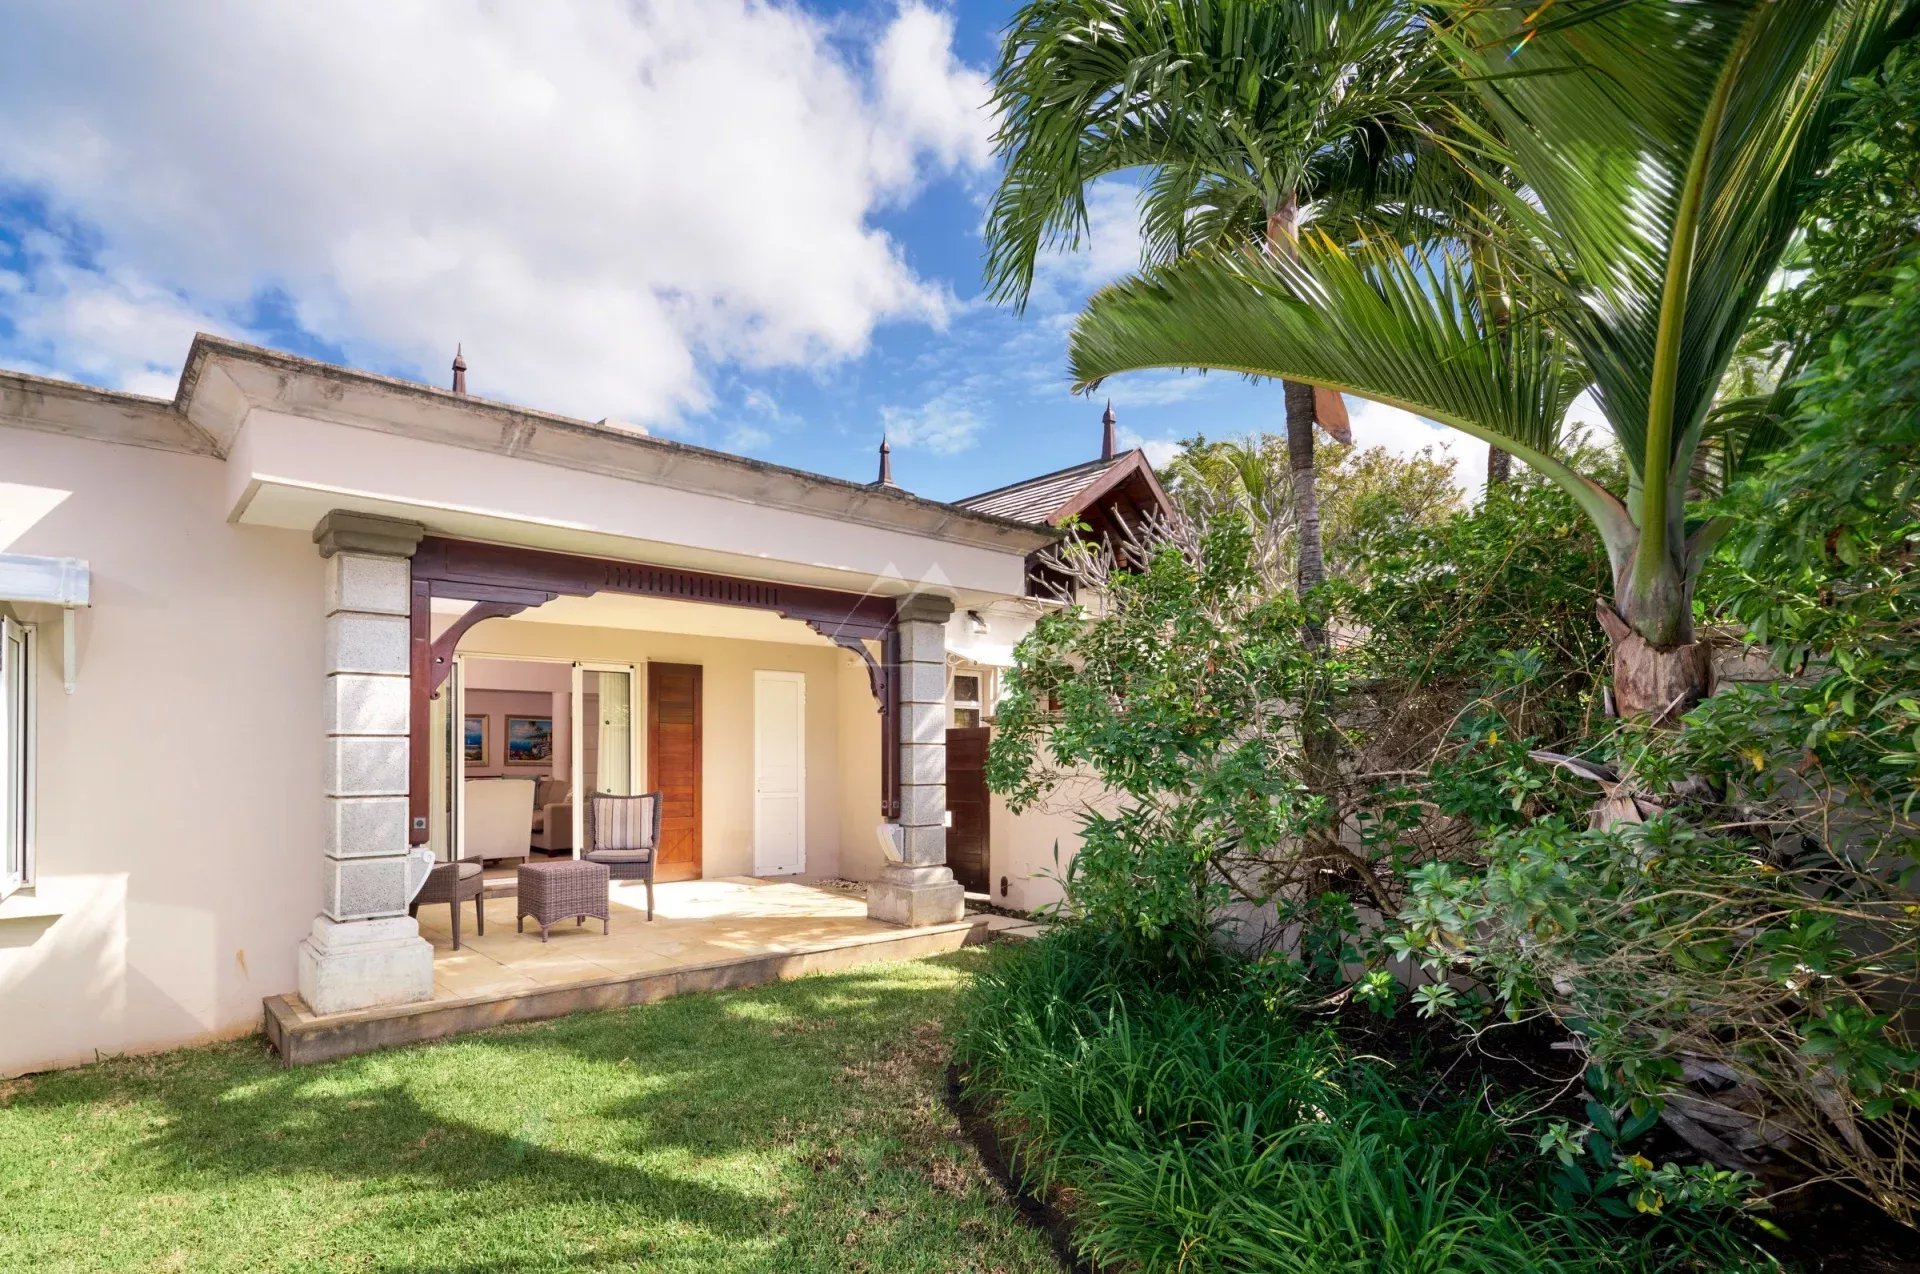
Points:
(224, 379)
(99, 415)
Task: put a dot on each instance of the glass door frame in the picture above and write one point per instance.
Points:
(577, 763)
(453, 738)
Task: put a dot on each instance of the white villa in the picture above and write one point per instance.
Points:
(277, 647)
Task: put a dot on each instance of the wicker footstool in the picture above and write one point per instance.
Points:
(552, 891)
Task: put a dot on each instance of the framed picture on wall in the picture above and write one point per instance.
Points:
(529, 740)
(473, 736)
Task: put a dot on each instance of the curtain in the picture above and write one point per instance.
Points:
(616, 735)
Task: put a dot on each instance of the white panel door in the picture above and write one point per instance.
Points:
(779, 773)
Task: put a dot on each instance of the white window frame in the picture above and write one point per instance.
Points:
(17, 729)
(982, 705)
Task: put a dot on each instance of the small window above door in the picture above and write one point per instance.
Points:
(967, 697)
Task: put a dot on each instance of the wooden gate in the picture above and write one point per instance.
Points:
(967, 837)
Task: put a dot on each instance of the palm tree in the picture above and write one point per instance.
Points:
(1237, 112)
(1652, 160)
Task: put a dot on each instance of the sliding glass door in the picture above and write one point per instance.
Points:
(606, 755)
(447, 809)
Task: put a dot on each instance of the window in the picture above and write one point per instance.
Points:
(16, 755)
(967, 700)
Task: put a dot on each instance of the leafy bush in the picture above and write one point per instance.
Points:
(1183, 696)
(1447, 602)
(1193, 1129)
(1744, 955)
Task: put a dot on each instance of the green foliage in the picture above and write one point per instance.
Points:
(1864, 214)
(1174, 698)
(1678, 954)
(1453, 600)
(1592, 108)
(1198, 1130)
(1823, 569)
(1230, 109)
(1365, 495)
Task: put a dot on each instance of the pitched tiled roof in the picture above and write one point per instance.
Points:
(1038, 499)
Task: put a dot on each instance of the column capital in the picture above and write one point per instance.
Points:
(924, 608)
(345, 531)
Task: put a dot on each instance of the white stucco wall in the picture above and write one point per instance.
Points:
(290, 470)
(178, 801)
(859, 770)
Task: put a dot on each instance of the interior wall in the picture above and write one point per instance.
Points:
(499, 688)
(727, 727)
(178, 798)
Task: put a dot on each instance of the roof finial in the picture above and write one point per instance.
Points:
(459, 372)
(886, 466)
(1106, 432)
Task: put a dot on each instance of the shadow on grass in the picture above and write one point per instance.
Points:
(587, 1141)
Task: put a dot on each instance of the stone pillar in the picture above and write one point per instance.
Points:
(364, 950)
(916, 887)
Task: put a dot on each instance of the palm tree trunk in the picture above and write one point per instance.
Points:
(1660, 669)
(1499, 467)
(1310, 570)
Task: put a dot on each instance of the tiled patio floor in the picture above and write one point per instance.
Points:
(695, 922)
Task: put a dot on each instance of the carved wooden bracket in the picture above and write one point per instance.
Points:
(440, 662)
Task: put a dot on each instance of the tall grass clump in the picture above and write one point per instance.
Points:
(1197, 1128)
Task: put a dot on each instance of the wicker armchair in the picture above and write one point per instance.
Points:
(622, 834)
(453, 884)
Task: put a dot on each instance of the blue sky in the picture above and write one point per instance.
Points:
(755, 226)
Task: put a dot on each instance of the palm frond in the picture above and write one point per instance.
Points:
(1226, 102)
(1661, 150)
(1405, 329)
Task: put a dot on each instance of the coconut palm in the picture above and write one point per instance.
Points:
(1652, 160)
(1237, 113)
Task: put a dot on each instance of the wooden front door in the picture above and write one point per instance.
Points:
(967, 807)
(673, 766)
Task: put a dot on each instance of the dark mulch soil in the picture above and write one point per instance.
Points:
(996, 1153)
(1827, 1228)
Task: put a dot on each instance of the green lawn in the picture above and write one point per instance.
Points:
(794, 1127)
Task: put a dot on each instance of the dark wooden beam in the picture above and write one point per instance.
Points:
(503, 580)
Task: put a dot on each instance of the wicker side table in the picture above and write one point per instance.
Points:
(552, 891)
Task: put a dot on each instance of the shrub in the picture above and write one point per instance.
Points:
(1191, 1128)
(1746, 955)
(1183, 695)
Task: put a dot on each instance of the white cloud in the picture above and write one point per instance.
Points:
(938, 102)
(745, 438)
(602, 202)
(109, 324)
(945, 425)
(1155, 389)
(1405, 434)
(1160, 451)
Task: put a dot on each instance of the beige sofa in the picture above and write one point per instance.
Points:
(499, 818)
(552, 815)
